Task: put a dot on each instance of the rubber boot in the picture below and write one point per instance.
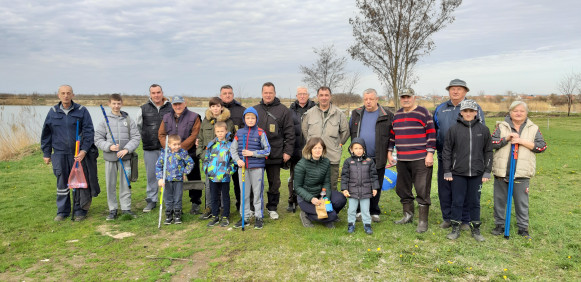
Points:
(423, 220)
(168, 217)
(408, 214)
(455, 233)
(177, 216)
(475, 225)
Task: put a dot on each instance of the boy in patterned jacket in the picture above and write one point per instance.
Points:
(178, 164)
(218, 167)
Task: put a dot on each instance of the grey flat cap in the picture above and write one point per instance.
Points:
(406, 92)
(177, 99)
(468, 104)
(458, 82)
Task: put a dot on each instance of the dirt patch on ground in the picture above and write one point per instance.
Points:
(106, 231)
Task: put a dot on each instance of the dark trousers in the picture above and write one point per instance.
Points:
(172, 195)
(217, 189)
(292, 197)
(195, 195)
(416, 174)
(337, 200)
(62, 164)
(445, 195)
(273, 176)
(374, 202)
(236, 188)
(466, 189)
(334, 170)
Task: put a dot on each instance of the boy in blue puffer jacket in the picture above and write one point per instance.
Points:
(218, 166)
(178, 164)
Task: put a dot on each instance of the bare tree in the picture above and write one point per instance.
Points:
(352, 83)
(328, 70)
(391, 35)
(567, 86)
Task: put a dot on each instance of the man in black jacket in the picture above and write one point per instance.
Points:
(236, 114)
(373, 123)
(277, 121)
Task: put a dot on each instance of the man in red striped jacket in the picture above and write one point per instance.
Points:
(414, 136)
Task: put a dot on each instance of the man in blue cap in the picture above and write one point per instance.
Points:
(445, 116)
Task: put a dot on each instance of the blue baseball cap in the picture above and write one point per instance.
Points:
(177, 100)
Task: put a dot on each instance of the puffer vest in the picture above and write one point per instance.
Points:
(252, 135)
(527, 161)
(184, 124)
(152, 118)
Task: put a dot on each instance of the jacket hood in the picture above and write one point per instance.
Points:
(224, 116)
(361, 142)
(250, 110)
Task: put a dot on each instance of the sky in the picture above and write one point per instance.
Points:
(193, 47)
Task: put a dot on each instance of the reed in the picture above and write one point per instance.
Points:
(17, 137)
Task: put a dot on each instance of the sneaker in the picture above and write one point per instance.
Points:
(258, 223)
(168, 221)
(214, 221)
(112, 215)
(524, 233)
(59, 218)
(367, 228)
(79, 218)
(445, 224)
(273, 215)
(305, 220)
(358, 217)
(177, 220)
(225, 222)
(351, 228)
(150, 206)
(465, 227)
(206, 215)
(239, 223)
(498, 230)
(375, 218)
(195, 209)
(130, 213)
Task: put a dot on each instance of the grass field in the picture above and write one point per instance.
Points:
(34, 247)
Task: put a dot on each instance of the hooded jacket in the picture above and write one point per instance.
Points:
(178, 164)
(236, 113)
(276, 120)
(467, 149)
(207, 134)
(125, 133)
(445, 117)
(359, 174)
(252, 139)
(218, 164)
(333, 129)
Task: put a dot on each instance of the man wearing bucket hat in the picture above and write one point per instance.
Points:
(186, 124)
(445, 116)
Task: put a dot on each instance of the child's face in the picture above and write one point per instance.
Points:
(357, 150)
(250, 119)
(174, 146)
(468, 114)
(115, 106)
(220, 132)
(317, 151)
(216, 110)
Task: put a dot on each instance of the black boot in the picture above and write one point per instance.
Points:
(475, 225)
(177, 217)
(423, 220)
(498, 230)
(455, 233)
(408, 214)
(168, 217)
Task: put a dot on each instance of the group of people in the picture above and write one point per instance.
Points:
(238, 145)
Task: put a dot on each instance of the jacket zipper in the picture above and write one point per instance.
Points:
(470, 151)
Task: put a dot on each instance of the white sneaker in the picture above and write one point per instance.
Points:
(273, 215)
(375, 218)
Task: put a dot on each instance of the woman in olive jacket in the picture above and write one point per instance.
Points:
(312, 174)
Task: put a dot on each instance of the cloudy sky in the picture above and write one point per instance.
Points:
(193, 47)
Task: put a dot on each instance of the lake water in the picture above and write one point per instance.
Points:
(33, 116)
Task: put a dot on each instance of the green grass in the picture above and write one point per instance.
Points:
(34, 247)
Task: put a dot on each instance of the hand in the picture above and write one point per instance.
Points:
(185, 177)
(122, 153)
(286, 157)
(346, 194)
(390, 158)
(484, 179)
(448, 178)
(247, 153)
(315, 201)
(240, 163)
(374, 193)
(46, 160)
(114, 148)
(429, 159)
(511, 136)
(197, 142)
(80, 156)
(515, 140)
(161, 183)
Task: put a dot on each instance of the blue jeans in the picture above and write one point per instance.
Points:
(352, 211)
(216, 189)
